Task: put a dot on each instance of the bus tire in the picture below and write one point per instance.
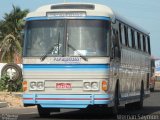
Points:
(139, 104)
(18, 70)
(43, 112)
(115, 108)
(152, 89)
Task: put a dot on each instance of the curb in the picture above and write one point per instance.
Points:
(3, 104)
(18, 94)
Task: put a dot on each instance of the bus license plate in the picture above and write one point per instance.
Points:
(63, 85)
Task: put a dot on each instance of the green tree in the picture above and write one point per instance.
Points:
(10, 34)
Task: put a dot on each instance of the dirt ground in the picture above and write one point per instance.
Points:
(13, 100)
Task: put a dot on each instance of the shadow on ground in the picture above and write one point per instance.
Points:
(96, 114)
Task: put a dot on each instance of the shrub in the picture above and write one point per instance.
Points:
(9, 85)
(3, 82)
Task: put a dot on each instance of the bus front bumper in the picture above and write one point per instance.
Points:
(65, 101)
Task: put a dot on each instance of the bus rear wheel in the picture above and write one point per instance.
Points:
(139, 104)
(152, 89)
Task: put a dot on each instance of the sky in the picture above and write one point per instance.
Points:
(144, 13)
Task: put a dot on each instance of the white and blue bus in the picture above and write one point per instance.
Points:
(84, 55)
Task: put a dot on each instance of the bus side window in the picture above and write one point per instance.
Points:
(129, 38)
(136, 40)
(115, 44)
(123, 35)
(139, 41)
(112, 43)
(126, 35)
(120, 33)
(144, 43)
(133, 38)
(149, 49)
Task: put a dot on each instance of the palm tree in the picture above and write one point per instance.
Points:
(9, 47)
(10, 34)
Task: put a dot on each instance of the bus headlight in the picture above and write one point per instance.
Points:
(36, 85)
(87, 86)
(95, 86)
(33, 85)
(91, 86)
(40, 85)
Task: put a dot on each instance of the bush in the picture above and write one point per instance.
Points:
(3, 82)
(9, 85)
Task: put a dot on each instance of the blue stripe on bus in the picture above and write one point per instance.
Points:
(77, 101)
(36, 66)
(87, 17)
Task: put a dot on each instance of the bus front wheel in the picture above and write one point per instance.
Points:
(115, 108)
(43, 112)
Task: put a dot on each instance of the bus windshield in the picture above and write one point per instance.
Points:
(88, 38)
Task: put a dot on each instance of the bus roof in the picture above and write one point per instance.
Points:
(130, 23)
(90, 9)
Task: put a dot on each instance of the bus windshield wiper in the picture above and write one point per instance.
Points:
(51, 49)
(80, 54)
(48, 52)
